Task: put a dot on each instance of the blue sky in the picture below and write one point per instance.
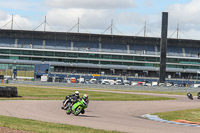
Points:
(95, 16)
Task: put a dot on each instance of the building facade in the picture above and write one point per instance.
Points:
(97, 54)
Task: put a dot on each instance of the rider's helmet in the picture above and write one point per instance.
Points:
(85, 96)
(76, 93)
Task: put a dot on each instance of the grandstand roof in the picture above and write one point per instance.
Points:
(86, 37)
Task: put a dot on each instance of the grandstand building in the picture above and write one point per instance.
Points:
(97, 53)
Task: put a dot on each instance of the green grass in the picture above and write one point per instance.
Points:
(155, 92)
(189, 115)
(57, 93)
(45, 127)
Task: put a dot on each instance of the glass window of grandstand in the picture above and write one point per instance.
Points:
(186, 61)
(71, 54)
(26, 52)
(105, 62)
(61, 60)
(71, 61)
(152, 59)
(139, 64)
(14, 57)
(116, 57)
(116, 63)
(3, 51)
(40, 53)
(60, 54)
(82, 61)
(4, 57)
(106, 56)
(48, 53)
(25, 58)
(50, 59)
(37, 59)
(93, 62)
(3, 66)
(90, 55)
(128, 57)
(172, 60)
(183, 66)
(140, 58)
(128, 63)
(15, 51)
(149, 64)
(82, 55)
(25, 67)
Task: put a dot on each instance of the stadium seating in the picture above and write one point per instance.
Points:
(114, 47)
(142, 49)
(134, 48)
(7, 42)
(192, 52)
(62, 45)
(37, 43)
(174, 51)
(84, 46)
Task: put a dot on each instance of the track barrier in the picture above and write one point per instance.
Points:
(8, 91)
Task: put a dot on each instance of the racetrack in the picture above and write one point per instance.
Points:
(122, 116)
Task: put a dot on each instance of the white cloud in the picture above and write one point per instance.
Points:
(19, 22)
(95, 21)
(185, 14)
(90, 4)
(20, 4)
(95, 16)
(90, 19)
(131, 18)
(3, 15)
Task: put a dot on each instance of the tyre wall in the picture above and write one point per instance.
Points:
(8, 91)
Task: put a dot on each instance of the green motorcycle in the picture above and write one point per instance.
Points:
(78, 107)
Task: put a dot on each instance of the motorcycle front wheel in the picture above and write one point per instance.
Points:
(78, 110)
(68, 111)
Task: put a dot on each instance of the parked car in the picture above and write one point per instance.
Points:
(127, 82)
(118, 82)
(105, 82)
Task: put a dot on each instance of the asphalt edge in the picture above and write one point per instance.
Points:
(156, 118)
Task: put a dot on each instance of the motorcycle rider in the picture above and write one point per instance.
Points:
(85, 97)
(72, 98)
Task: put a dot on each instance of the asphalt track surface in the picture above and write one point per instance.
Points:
(122, 116)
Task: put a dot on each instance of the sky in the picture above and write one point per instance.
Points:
(128, 17)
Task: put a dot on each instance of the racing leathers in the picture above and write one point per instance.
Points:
(70, 98)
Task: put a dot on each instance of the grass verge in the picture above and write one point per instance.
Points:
(45, 127)
(55, 93)
(189, 115)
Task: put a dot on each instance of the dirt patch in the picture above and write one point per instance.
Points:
(9, 130)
